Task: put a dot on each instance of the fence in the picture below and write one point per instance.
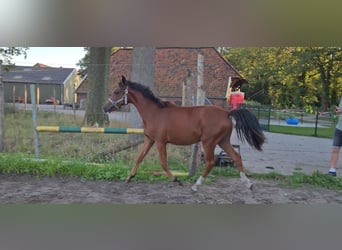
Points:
(263, 114)
(313, 121)
(102, 147)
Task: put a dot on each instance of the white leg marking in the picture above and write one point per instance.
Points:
(199, 182)
(244, 179)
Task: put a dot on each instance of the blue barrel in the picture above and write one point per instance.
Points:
(292, 121)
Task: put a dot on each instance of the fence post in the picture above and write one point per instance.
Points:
(316, 122)
(34, 119)
(186, 91)
(269, 118)
(2, 110)
(199, 101)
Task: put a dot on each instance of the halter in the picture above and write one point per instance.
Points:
(114, 103)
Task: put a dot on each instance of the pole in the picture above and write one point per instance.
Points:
(38, 97)
(2, 110)
(186, 95)
(228, 91)
(25, 96)
(316, 122)
(200, 84)
(54, 99)
(13, 96)
(34, 119)
(200, 88)
(199, 101)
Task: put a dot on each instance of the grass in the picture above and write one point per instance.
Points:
(295, 130)
(17, 163)
(90, 156)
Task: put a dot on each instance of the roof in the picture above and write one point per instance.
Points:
(171, 65)
(83, 86)
(39, 74)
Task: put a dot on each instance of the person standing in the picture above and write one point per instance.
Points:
(337, 141)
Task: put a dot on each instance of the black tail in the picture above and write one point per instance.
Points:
(248, 128)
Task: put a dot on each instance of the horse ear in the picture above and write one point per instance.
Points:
(123, 82)
(123, 79)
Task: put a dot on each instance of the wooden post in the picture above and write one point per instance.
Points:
(25, 96)
(199, 101)
(200, 87)
(38, 97)
(54, 101)
(316, 121)
(228, 92)
(187, 85)
(2, 110)
(34, 119)
(13, 96)
(74, 100)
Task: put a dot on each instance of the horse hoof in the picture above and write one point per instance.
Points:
(250, 186)
(194, 188)
(178, 181)
(129, 178)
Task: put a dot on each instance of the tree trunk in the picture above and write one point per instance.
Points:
(142, 72)
(98, 79)
(325, 90)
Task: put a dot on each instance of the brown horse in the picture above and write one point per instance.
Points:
(165, 122)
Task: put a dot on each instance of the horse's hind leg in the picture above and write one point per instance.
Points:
(226, 146)
(148, 143)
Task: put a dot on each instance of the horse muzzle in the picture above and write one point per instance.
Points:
(110, 106)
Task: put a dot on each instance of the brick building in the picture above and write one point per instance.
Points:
(171, 66)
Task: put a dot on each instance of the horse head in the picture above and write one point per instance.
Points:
(118, 97)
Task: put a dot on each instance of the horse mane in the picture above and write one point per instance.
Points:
(147, 92)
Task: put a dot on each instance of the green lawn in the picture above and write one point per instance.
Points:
(295, 130)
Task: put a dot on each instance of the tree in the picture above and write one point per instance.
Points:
(5, 57)
(290, 77)
(142, 71)
(7, 53)
(98, 79)
(256, 65)
(324, 66)
(84, 62)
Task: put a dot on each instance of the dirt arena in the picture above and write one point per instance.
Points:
(27, 189)
(282, 153)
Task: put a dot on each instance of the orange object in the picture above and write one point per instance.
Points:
(236, 98)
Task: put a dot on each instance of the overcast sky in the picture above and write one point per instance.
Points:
(67, 57)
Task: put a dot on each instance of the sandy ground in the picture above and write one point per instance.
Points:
(27, 189)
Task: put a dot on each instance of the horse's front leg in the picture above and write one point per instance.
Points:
(148, 143)
(163, 161)
(209, 164)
